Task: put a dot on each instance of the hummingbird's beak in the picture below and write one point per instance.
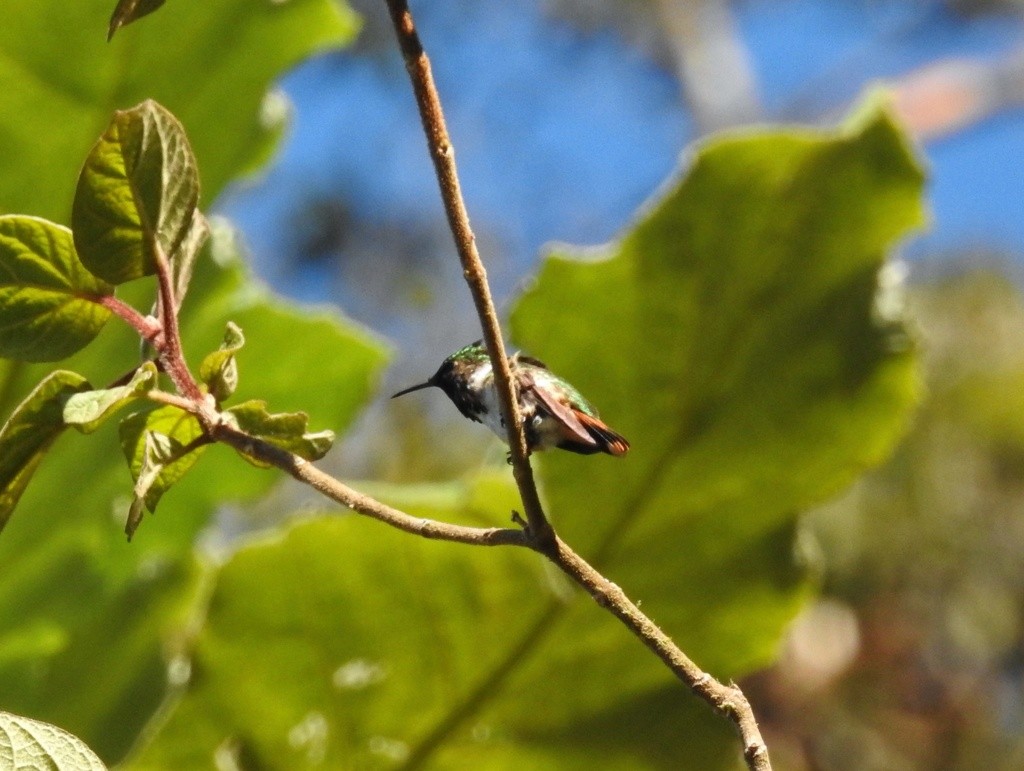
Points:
(410, 389)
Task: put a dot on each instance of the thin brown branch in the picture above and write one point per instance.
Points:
(174, 400)
(725, 699)
(443, 155)
(306, 472)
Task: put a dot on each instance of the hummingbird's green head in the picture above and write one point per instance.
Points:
(454, 370)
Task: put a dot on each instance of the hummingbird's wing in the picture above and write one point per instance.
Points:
(565, 415)
(581, 432)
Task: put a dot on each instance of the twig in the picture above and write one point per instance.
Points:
(149, 329)
(443, 155)
(174, 400)
(306, 472)
(725, 699)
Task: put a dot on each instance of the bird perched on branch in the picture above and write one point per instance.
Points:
(554, 413)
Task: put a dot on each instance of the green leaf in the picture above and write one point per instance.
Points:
(184, 259)
(137, 192)
(214, 84)
(403, 637)
(161, 445)
(746, 352)
(48, 300)
(31, 744)
(88, 410)
(380, 647)
(128, 11)
(285, 430)
(157, 452)
(29, 432)
(219, 369)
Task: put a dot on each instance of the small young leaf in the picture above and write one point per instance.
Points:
(128, 11)
(286, 430)
(162, 443)
(137, 191)
(45, 308)
(219, 369)
(29, 432)
(29, 744)
(88, 410)
(157, 451)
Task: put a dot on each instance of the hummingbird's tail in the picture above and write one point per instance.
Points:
(608, 441)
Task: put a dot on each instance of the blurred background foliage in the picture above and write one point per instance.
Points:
(334, 644)
(912, 657)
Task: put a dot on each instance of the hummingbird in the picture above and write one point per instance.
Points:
(554, 413)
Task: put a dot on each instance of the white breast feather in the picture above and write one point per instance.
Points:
(483, 381)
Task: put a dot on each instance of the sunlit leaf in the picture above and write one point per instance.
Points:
(46, 310)
(748, 353)
(128, 11)
(285, 430)
(219, 370)
(332, 678)
(30, 744)
(161, 445)
(157, 452)
(137, 192)
(88, 410)
(29, 432)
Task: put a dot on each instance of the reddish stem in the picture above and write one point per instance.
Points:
(172, 355)
(149, 329)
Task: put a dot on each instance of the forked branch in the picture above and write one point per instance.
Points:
(536, 532)
(443, 155)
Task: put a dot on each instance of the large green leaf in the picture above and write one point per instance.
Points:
(405, 649)
(137, 193)
(363, 632)
(59, 659)
(737, 336)
(210, 63)
(48, 300)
